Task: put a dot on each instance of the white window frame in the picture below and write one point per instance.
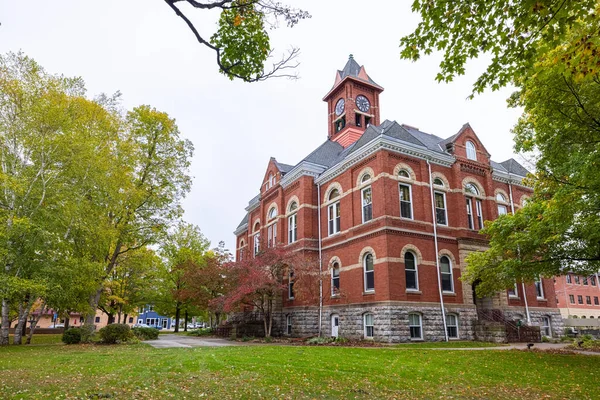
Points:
(291, 294)
(411, 325)
(546, 326)
(409, 199)
(292, 228)
(479, 209)
(272, 235)
(416, 271)
(333, 218)
(568, 279)
(371, 272)
(288, 323)
(470, 221)
(539, 288)
(449, 325)
(471, 150)
(447, 273)
(503, 208)
(335, 292)
(369, 334)
(445, 207)
(256, 242)
(514, 291)
(363, 205)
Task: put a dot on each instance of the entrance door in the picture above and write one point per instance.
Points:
(335, 323)
(165, 323)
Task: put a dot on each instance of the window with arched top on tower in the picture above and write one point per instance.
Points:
(471, 151)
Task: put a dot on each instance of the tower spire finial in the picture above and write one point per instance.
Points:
(351, 57)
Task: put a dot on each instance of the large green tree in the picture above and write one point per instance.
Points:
(550, 51)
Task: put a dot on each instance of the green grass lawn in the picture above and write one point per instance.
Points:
(141, 372)
(451, 344)
(42, 339)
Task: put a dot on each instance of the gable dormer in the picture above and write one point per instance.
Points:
(275, 171)
(352, 104)
(466, 145)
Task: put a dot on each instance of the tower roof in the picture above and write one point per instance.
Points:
(353, 70)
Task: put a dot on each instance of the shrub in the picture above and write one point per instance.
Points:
(88, 333)
(145, 333)
(200, 332)
(115, 333)
(72, 336)
(320, 340)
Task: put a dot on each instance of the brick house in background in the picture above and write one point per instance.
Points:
(578, 296)
(393, 212)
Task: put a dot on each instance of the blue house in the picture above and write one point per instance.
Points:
(150, 317)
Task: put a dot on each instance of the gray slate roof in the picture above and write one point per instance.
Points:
(244, 221)
(352, 69)
(513, 167)
(284, 168)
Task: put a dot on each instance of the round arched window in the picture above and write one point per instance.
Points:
(471, 151)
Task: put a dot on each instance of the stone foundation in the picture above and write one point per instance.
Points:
(390, 321)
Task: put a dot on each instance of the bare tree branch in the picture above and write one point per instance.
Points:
(268, 7)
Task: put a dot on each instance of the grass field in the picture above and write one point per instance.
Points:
(141, 372)
(42, 339)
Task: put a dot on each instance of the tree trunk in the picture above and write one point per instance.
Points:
(34, 323)
(94, 300)
(67, 320)
(270, 308)
(5, 322)
(186, 321)
(111, 319)
(125, 319)
(21, 322)
(217, 318)
(177, 315)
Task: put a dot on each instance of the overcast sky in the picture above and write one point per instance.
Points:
(142, 49)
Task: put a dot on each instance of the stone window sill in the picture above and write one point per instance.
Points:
(413, 291)
(541, 299)
(449, 293)
(369, 293)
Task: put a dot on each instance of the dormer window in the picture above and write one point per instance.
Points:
(471, 151)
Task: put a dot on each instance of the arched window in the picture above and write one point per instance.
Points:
(333, 213)
(502, 209)
(272, 213)
(452, 326)
(415, 326)
(365, 178)
(242, 244)
(471, 151)
(335, 279)
(446, 274)
(410, 270)
(438, 182)
(270, 181)
(368, 326)
(471, 202)
(403, 174)
(367, 204)
(293, 223)
(369, 273)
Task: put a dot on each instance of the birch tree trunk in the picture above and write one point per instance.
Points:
(5, 322)
(21, 321)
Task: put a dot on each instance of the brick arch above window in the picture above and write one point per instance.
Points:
(404, 166)
(293, 199)
(272, 206)
(333, 186)
(443, 178)
(334, 259)
(256, 225)
(242, 243)
(364, 252)
(363, 172)
(474, 182)
(413, 249)
(448, 253)
(503, 193)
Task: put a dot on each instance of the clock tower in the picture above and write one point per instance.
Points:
(352, 104)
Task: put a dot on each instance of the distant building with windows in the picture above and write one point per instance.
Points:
(392, 212)
(148, 316)
(578, 296)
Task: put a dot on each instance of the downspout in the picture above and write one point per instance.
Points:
(320, 261)
(512, 210)
(437, 258)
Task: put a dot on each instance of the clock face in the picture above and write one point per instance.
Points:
(363, 103)
(339, 107)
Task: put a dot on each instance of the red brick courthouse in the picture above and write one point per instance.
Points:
(393, 212)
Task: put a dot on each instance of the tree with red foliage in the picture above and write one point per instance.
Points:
(259, 282)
